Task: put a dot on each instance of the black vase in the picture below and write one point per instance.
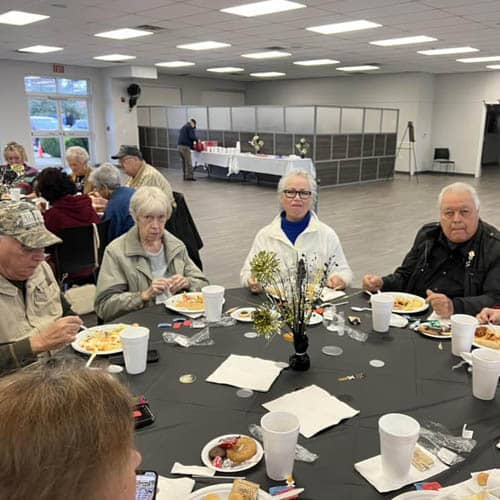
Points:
(300, 361)
(302, 155)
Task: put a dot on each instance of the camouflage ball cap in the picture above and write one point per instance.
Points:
(24, 222)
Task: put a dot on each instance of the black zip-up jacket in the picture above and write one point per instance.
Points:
(468, 273)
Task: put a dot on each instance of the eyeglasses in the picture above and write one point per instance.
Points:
(292, 193)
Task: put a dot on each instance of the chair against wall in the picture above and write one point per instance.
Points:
(442, 157)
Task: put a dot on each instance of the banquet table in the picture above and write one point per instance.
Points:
(247, 162)
(416, 379)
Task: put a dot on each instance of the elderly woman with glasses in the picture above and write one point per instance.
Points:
(146, 264)
(77, 159)
(297, 231)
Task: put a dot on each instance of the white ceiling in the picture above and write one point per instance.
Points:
(74, 22)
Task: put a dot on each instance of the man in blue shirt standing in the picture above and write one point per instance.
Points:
(186, 141)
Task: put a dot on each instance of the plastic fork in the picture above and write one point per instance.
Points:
(356, 376)
(359, 309)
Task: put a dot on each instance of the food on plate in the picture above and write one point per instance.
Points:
(218, 451)
(103, 340)
(435, 328)
(244, 490)
(193, 301)
(211, 496)
(232, 451)
(404, 303)
(421, 461)
(245, 314)
(482, 478)
(487, 337)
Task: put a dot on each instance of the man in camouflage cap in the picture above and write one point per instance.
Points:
(30, 299)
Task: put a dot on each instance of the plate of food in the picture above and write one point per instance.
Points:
(243, 314)
(245, 490)
(435, 329)
(186, 302)
(315, 319)
(102, 339)
(232, 453)
(408, 303)
(487, 336)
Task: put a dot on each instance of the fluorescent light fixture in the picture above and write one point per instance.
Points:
(20, 18)
(330, 29)
(267, 74)
(316, 62)
(263, 8)
(451, 50)
(479, 59)
(407, 40)
(366, 67)
(124, 34)
(227, 69)
(204, 45)
(268, 54)
(174, 64)
(494, 66)
(114, 57)
(40, 49)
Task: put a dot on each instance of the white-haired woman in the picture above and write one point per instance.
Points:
(145, 262)
(77, 159)
(297, 231)
(107, 182)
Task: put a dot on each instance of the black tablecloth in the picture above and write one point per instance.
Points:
(417, 379)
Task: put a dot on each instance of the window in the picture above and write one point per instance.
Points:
(59, 116)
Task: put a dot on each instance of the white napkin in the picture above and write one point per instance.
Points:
(174, 489)
(247, 372)
(433, 316)
(315, 408)
(196, 470)
(329, 294)
(371, 470)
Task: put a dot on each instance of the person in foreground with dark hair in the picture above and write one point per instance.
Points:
(185, 143)
(67, 433)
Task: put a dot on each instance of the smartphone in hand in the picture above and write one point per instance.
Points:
(146, 483)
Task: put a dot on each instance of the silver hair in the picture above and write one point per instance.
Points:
(313, 186)
(106, 176)
(149, 200)
(78, 153)
(460, 187)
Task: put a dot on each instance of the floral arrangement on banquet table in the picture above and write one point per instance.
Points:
(257, 143)
(302, 147)
(291, 297)
(11, 175)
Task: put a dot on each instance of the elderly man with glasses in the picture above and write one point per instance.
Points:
(454, 263)
(297, 231)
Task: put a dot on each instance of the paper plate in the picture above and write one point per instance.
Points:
(243, 314)
(434, 335)
(422, 307)
(248, 464)
(223, 491)
(88, 333)
(496, 329)
(417, 495)
(174, 303)
(315, 319)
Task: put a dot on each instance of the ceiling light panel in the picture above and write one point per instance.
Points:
(263, 8)
(408, 40)
(40, 49)
(479, 59)
(208, 45)
(451, 50)
(367, 67)
(316, 62)
(174, 64)
(494, 66)
(268, 54)
(267, 74)
(20, 18)
(114, 57)
(331, 29)
(124, 34)
(228, 69)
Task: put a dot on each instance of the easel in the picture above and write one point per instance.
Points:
(412, 169)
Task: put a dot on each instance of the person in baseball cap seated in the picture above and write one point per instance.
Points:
(31, 305)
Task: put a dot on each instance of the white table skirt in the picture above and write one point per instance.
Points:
(235, 162)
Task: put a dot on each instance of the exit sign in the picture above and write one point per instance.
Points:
(57, 68)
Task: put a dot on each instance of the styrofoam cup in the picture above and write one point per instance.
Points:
(280, 430)
(463, 327)
(485, 373)
(382, 305)
(213, 296)
(15, 194)
(135, 348)
(398, 437)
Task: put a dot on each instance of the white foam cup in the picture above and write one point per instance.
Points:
(485, 373)
(135, 348)
(15, 194)
(463, 327)
(280, 430)
(382, 305)
(398, 437)
(213, 296)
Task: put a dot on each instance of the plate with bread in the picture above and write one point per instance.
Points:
(243, 314)
(232, 453)
(240, 490)
(435, 329)
(487, 336)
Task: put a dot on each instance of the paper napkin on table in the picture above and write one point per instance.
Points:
(329, 294)
(174, 489)
(315, 408)
(247, 372)
(371, 470)
(190, 470)
(433, 317)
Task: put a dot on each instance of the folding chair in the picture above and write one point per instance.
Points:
(442, 157)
